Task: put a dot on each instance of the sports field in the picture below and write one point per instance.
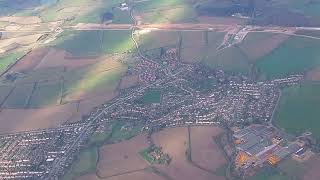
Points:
(151, 96)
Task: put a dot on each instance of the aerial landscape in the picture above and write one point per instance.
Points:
(160, 89)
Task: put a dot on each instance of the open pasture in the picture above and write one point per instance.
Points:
(230, 59)
(256, 45)
(88, 43)
(4, 92)
(9, 59)
(296, 55)
(19, 96)
(104, 75)
(158, 39)
(46, 94)
(298, 110)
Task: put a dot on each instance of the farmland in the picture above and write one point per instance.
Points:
(177, 148)
(46, 94)
(9, 59)
(296, 55)
(204, 151)
(121, 158)
(88, 43)
(299, 109)
(140, 89)
(166, 11)
(19, 97)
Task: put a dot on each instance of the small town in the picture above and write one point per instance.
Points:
(180, 95)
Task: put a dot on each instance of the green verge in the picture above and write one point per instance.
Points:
(299, 109)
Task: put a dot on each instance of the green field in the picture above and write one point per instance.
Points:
(19, 97)
(86, 43)
(92, 78)
(85, 163)
(151, 96)
(95, 15)
(46, 94)
(47, 74)
(99, 138)
(118, 134)
(296, 55)
(158, 39)
(9, 59)
(156, 4)
(180, 14)
(4, 92)
(269, 173)
(299, 109)
(230, 59)
(300, 6)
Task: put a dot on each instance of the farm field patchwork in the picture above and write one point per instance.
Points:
(19, 96)
(4, 92)
(267, 43)
(230, 59)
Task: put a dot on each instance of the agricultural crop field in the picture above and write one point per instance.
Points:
(89, 43)
(294, 56)
(19, 97)
(298, 110)
(46, 94)
(166, 11)
(9, 59)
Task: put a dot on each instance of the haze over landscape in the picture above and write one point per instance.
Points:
(160, 89)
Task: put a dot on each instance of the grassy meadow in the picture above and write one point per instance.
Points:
(296, 55)
(299, 109)
(86, 43)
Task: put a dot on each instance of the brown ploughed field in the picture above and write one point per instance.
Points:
(174, 141)
(122, 158)
(205, 152)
